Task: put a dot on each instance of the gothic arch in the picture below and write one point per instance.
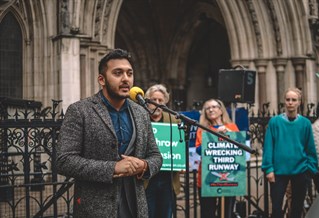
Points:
(272, 37)
(126, 34)
(67, 36)
(182, 40)
(41, 77)
(34, 18)
(99, 20)
(11, 43)
(18, 10)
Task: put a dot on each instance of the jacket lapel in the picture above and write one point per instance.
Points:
(103, 113)
(131, 147)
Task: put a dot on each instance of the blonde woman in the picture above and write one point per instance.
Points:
(214, 116)
(289, 155)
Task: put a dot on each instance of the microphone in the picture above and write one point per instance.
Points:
(137, 95)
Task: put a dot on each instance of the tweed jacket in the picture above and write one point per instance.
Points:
(88, 151)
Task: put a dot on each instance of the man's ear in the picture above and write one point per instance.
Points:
(101, 80)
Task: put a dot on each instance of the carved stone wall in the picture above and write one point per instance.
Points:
(179, 43)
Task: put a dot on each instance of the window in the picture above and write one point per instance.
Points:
(10, 57)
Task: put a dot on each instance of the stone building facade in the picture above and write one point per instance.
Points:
(50, 49)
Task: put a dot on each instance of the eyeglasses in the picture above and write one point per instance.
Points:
(212, 107)
(158, 100)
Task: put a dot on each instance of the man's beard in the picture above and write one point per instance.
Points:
(112, 93)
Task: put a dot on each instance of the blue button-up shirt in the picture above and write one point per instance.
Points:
(122, 123)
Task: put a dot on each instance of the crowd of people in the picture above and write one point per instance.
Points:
(107, 144)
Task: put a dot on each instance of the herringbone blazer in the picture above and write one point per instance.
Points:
(88, 150)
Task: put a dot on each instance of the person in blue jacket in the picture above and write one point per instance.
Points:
(289, 154)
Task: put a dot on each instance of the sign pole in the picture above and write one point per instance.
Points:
(222, 213)
(233, 112)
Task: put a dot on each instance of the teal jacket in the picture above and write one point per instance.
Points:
(289, 147)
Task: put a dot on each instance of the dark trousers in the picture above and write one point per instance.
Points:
(299, 184)
(210, 209)
(160, 196)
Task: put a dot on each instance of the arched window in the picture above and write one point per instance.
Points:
(10, 57)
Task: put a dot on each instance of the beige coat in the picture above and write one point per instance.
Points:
(176, 175)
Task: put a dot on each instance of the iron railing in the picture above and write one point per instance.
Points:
(31, 187)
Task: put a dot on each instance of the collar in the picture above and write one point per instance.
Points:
(108, 104)
(284, 115)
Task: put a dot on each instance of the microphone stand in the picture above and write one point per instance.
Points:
(188, 121)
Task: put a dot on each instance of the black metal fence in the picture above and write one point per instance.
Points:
(31, 187)
(28, 180)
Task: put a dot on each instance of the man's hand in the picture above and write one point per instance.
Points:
(128, 166)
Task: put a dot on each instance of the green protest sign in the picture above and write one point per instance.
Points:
(223, 165)
(163, 140)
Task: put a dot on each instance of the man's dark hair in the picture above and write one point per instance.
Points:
(114, 54)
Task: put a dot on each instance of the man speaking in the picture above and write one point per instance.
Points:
(107, 144)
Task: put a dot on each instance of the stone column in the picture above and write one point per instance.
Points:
(261, 65)
(67, 45)
(280, 64)
(299, 65)
(69, 57)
